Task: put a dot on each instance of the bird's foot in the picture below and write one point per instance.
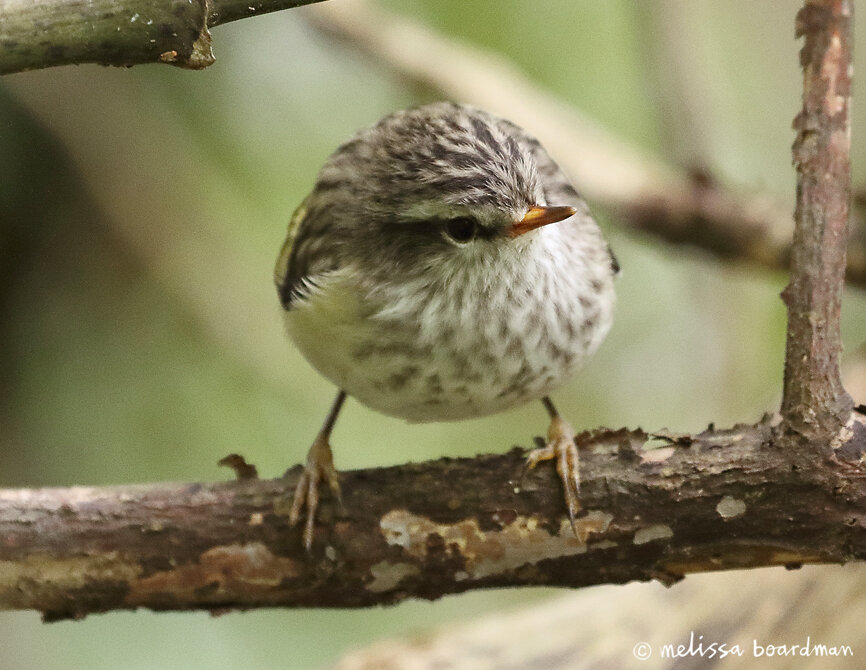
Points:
(561, 448)
(319, 467)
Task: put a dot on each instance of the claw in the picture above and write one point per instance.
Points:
(562, 449)
(319, 466)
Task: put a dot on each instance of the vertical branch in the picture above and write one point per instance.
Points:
(814, 401)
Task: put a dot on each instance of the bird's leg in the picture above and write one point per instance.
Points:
(319, 466)
(561, 448)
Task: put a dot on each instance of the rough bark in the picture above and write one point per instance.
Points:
(724, 499)
(814, 401)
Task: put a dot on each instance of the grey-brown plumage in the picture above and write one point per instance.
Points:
(421, 276)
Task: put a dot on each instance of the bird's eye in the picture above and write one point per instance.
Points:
(461, 229)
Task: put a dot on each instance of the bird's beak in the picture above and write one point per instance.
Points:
(540, 216)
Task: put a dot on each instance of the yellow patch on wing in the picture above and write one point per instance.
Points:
(282, 267)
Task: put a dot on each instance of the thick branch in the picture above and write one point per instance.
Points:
(814, 401)
(117, 32)
(715, 501)
(679, 206)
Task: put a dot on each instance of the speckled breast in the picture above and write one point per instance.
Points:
(466, 348)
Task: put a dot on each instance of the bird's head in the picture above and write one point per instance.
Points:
(439, 181)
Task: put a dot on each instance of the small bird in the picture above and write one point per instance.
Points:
(423, 277)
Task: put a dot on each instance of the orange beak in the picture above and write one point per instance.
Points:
(540, 216)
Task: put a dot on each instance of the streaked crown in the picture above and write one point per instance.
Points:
(437, 157)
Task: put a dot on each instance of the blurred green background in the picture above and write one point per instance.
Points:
(141, 211)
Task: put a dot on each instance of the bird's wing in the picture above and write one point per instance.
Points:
(288, 275)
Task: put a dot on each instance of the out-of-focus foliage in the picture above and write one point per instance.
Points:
(141, 212)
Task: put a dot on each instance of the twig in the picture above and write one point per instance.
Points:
(814, 400)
